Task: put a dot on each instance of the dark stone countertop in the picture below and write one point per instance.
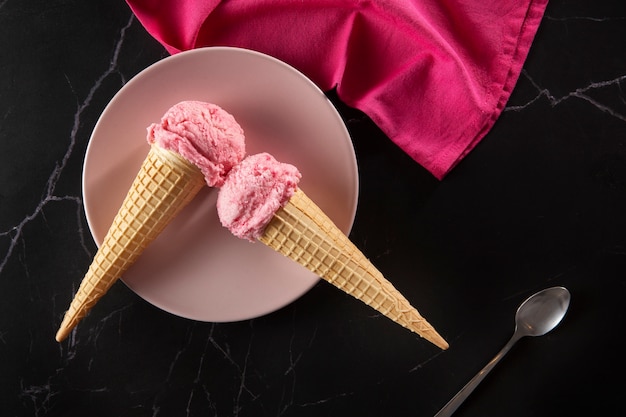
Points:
(540, 202)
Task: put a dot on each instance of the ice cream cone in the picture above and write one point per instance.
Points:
(301, 231)
(164, 185)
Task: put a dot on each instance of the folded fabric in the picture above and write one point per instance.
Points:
(434, 75)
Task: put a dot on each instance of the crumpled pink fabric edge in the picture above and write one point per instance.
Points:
(438, 158)
(448, 158)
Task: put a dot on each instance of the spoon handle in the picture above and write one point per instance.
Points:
(462, 395)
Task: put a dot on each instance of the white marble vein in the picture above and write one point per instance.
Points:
(327, 399)
(39, 396)
(288, 395)
(14, 234)
(237, 407)
(584, 18)
(581, 93)
(115, 315)
(424, 362)
(198, 380)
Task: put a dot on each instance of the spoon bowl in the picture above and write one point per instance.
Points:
(542, 311)
(536, 316)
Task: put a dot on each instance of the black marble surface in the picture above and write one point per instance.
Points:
(540, 202)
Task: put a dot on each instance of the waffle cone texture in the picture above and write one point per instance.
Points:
(164, 185)
(303, 232)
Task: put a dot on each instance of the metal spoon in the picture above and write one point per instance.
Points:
(536, 316)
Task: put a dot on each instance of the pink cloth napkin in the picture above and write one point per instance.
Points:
(434, 75)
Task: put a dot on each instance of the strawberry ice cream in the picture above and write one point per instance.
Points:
(195, 143)
(260, 200)
(204, 134)
(253, 191)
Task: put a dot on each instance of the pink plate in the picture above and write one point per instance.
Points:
(196, 268)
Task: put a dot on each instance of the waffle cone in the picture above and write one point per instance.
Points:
(301, 231)
(165, 184)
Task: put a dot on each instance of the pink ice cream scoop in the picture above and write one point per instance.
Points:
(253, 191)
(204, 134)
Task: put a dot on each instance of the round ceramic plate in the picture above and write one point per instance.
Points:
(196, 268)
